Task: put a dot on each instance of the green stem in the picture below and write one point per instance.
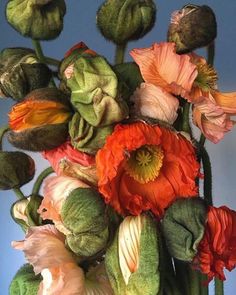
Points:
(19, 194)
(204, 287)
(120, 54)
(40, 179)
(207, 186)
(219, 287)
(211, 53)
(52, 61)
(181, 269)
(39, 51)
(202, 140)
(194, 280)
(3, 130)
(185, 125)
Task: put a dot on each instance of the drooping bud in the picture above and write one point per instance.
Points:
(184, 226)
(132, 261)
(94, 87)
(192, 27)
(21, 72)
(24, 212)
(40, 122)
(83, 214)
(25, 282)
(85, 137)
(37, 19)
(125, 20)
(16, 169)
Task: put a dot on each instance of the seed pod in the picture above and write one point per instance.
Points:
(21, 72)
(192, 27)
(16, 169)
(125, 20)
(37, 19)
(40, 122)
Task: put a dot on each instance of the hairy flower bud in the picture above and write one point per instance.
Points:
(192, 27)
(132, 261)
(21, 72)
(37, 19)
(182, 236)
(124, 20)
(40, 122)
(25, 282)
(16, 169)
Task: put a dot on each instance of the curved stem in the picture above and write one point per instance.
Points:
(211, 53)
(39, 51)
(40, 179)
(219, 287)
(19, 194)
(185, 125)
(52, 61)
(3, 130)
(207, 186)
(120, 54)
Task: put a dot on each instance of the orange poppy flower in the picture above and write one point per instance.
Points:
(144, 167)
(33, 113)
(217, 249)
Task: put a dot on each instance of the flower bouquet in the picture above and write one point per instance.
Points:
(123, 212)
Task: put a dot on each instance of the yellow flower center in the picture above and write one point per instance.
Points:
(144, 164)
(206, 78)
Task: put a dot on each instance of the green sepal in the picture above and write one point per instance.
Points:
(85, 137)
(184, 226)
(25, 282)
(146, 279)
(31, 210)
(83, 214)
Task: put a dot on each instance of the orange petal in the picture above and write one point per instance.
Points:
(227, 101)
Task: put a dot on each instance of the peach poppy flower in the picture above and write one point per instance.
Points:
(154, 102)
(68, 161)
(162, 66)
(144, 167)
(44, 248)
(56, 190)
(217, 249)
(212, 108)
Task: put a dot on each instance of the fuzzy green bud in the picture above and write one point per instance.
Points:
(192, 27)
(21, 72)
(16, 169)
(125, 20)
(25, 282)
(37, 19)
(184, 226)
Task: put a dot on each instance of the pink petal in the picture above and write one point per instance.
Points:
(154, 102)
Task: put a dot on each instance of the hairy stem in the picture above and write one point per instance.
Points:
(120, 54)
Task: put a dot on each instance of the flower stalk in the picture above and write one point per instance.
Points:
(120, 53)
(40, 179)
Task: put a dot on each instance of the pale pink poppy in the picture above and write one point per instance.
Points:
(154, 102)
(56, 190)
(162, 66)
(44, 248)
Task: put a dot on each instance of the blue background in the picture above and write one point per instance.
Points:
(79, 25)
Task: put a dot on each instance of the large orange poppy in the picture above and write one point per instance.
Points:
(145, 167)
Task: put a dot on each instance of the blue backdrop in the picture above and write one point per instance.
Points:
(79, 25)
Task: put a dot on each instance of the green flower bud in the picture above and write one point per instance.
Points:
(83, 214)
(94, 89)
(85, 137)
(16, 169)
(192, 27)
(24, 212)
(21, 72)
(132, 261)
(40, 122)
(25, 282)
(37, 19)
(125, 20)
(184, 226)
